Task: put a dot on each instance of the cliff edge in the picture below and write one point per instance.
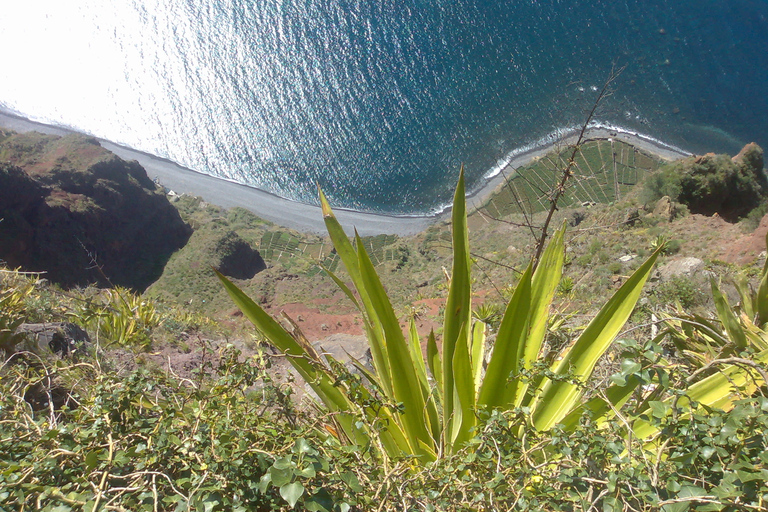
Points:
(75, 210)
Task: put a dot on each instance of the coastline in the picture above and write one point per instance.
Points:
(308, 218)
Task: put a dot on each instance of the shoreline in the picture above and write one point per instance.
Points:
(308, 218)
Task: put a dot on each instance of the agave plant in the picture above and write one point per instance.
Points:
(433, 403)
(121, 317)
(727, 359)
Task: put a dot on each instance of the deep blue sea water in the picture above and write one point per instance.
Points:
(381, 101)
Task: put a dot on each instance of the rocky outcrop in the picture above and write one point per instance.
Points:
(665, 209)
(74, 210)
(750, 157)
(680, 267)
(61, 338)
(234, 257)
(730, 187)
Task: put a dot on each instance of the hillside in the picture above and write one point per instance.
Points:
(82, 215)
(177, 403)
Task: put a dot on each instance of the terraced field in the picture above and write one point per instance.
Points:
(278, 246)
(604, 170)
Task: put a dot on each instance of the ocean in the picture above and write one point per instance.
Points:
(380, 103)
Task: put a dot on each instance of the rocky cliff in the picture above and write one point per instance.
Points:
(75, 210)
(709, 184)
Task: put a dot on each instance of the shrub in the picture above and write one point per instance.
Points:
(712, 183)
(677, 290)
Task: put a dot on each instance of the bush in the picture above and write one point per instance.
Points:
(678, 290)
(712, 184)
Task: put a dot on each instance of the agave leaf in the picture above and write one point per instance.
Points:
(478, 352)
(407, 386)
(416, 356)
(434, 362)
(462, 422)
(741, 284)
(757, 337)
(543, 287)
(432, 414)
(501, 383)
(393, 438)
(728, 317)
(458, 309)
(600, 409)
(313, 371)
(349, 257)
(556, 398)
(544, 283)
(718, 391)
(343, 287)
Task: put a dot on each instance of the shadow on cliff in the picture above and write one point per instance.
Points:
(81, 214)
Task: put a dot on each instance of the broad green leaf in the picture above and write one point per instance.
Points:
(478, 353)
(464, 418)
(393, 439)
(741, 283)
(501, 382)
(304, 361)
(458, 310)
(417, 357)
(543, 287)
(433, 360)
(599, 409)
(292, 492)
(544, 284)
(349, 256)
(430, 403)
(556, 398)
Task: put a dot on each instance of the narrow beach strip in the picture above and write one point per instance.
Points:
(308, 218)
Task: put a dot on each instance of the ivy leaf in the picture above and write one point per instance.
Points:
(660, 409)
(264, 482)
(302, 446)
(279, 476)
(352, 481)
(92, 459)
(292, 492)
(308, 472)
(707, 452)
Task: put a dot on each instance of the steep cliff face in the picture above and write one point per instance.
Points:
(73, 209)
(709, 184)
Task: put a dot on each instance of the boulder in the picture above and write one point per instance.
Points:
(61, 338)
(666, 209)
(680, 267)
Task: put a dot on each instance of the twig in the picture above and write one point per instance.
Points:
(571, 163)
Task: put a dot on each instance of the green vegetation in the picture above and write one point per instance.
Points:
(712, 184)
(604, 172)
(525, 415)
(412, 417)
(236, 441)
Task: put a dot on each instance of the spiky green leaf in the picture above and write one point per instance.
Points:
(556, 398)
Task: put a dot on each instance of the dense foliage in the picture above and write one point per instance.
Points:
(712, 184)
(682, 424)
(79, 435)
(144, 442)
